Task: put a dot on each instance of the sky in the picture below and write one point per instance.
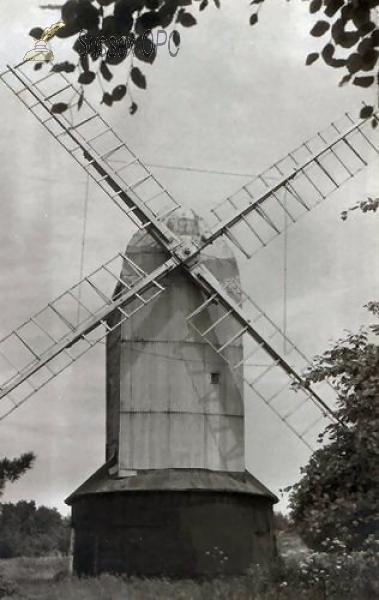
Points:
(234, 100)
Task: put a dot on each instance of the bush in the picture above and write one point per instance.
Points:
(7, 587)
(282, 522)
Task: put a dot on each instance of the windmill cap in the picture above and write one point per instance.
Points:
(188, 225)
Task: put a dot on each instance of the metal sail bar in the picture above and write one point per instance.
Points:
(95, 146)
(261, 210)
(66, 328)
(272, 377)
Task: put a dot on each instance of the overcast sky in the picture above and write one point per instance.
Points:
(234, 99)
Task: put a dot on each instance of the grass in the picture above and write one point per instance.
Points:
(33, 569)
(298, 575)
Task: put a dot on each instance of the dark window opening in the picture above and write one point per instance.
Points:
(215, 377)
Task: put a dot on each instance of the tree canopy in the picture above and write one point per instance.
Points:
(12, 469)
(338, 494)
(108, 32)
(26, 530)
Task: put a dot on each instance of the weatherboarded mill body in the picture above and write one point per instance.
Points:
(173, 497)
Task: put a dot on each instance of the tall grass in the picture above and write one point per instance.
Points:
(313, 576)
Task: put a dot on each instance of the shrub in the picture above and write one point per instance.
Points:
(7, 587)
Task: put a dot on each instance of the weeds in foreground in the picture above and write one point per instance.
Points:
(317, 576)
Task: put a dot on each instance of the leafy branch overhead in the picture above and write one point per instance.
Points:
(351, 35)
(347, 27)
(352, 40)
(110, 32)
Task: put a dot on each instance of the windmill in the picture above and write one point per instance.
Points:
(174, 490)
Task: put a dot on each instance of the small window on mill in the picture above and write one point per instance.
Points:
(215, 377)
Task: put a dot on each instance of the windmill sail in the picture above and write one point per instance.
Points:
(251, 217)
(66, 114)
(262, 209)
(259, 211)
(267, 373)
(66, 328)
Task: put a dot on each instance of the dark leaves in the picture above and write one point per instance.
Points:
(149, 20)
(107, 99)
(369, 60)
(166, 14)
(119, 92)
(59, 108)
(367, 28)
(123, 17)
(320, 28)
(203, 4)
(152, 4)
(328, 56)
(361, 15)
(108, 26)
(79, 15)
(333, 7)
(186, 19)
(87, 77)
(315, 6)
(253, 19)
(375, 37)
(133, 108)
(364, 82)
(354, 62)
(345, 79)
(36, 32)
(38, 66)
(176, 37)
(366, 112)
(138, 78)
(365, 46)
(63, 67)
(113, 57)
(348, 39)
(70, 12)
(311, 58)
(104, 70)
(81, 100)
(144, 49)
(84, 62)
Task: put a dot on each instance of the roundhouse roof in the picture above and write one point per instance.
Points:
(180, 480)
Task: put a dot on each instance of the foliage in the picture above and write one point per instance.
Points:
(368, 205)
(347, 26)
(12, 469)
(319, 576)
(343, 575)
(338, 494)
(351, 40)
(7, 588)
(282, 522)
(26, 530)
